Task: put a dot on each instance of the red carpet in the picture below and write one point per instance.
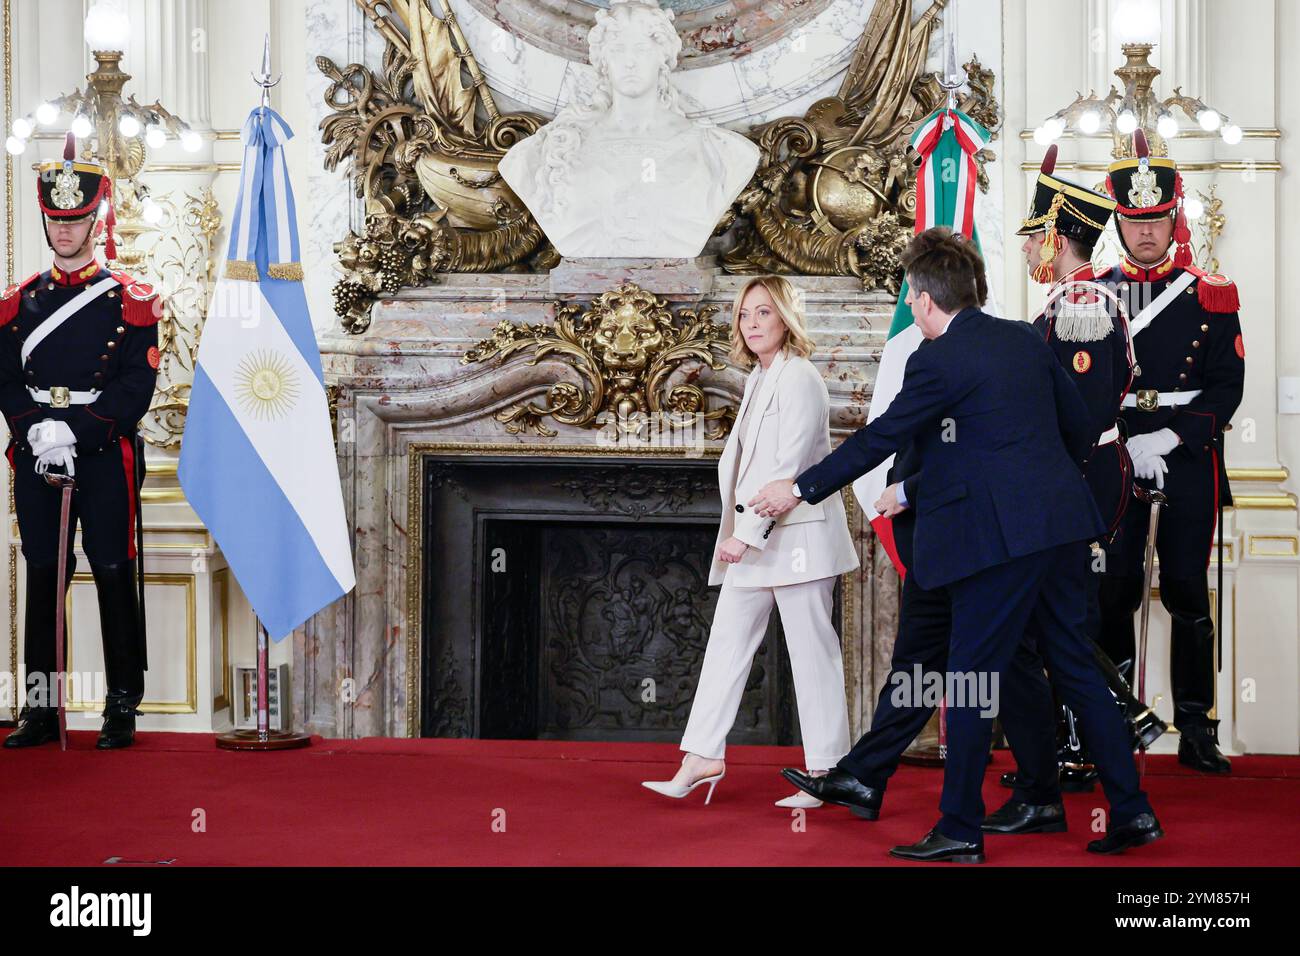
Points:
(433, 802)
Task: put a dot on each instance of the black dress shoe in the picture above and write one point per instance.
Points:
(841, 788)
(118, 730)
(1016, 817)
(934, 847)
(36, 726)
(1141, 830)
(1198, 749)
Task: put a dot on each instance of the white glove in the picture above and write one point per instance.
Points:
(1155, 443)
(50, 434)
(59, 456)
(1151, 466)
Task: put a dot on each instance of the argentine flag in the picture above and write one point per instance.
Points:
(257, 459)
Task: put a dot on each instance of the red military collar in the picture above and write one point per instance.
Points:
(1143, 274)
(1083, 273)
(80, 277)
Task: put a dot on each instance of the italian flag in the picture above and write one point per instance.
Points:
(947, 141)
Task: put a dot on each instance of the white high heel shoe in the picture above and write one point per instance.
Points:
(678, 790)
(801, 800)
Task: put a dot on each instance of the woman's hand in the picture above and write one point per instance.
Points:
(732, 550)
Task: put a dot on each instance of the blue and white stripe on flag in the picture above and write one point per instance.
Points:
(257, 459)
(265, 201)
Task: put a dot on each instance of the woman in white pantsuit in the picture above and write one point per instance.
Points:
(790, 563)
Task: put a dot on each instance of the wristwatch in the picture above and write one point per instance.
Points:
(794, 490)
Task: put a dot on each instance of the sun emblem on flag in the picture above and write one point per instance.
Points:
(266, 385)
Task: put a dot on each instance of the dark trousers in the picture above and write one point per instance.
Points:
(104, 502)
(924, 628)
(1044, 596)
(1183, 544)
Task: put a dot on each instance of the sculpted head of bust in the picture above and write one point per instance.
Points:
(623, 171)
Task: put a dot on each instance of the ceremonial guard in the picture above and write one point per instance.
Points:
(1187, 385)
(78, 363)
(1086, 325)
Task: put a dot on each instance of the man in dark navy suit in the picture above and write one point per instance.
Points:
(1003, 521)
(860, 778)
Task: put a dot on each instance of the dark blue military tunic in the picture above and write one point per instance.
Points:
(108, 346)
(1195, 343)
(1088, 331)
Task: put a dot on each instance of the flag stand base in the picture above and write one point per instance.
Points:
(263, 738)
(252, 740)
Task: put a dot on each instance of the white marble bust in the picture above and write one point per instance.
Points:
(626, 173)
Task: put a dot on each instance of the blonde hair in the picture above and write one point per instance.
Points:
(788, 300)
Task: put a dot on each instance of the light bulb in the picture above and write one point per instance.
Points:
(107, 27)
(1090, 122)
(1126, 122)
(156, 137)
(129, 125)
(1055, 126)
(1137, 21)
(1210, 120)
(1167, 126)
(47, 114)
(22, 127)
(1232, 134)
(1042, 137)
(191, 141)
(153, 212)
(1194, 208)
(81, 127)
(15, 145)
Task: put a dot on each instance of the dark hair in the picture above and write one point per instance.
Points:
(1081, 249)
(947, 266)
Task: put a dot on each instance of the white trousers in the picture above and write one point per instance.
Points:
(739, 624)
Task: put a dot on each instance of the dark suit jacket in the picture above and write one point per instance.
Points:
(1003, 434)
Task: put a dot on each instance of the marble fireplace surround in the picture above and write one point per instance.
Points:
(403, 394)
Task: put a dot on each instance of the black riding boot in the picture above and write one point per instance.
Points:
(1192, 674)
(39, 721)
(119, 622)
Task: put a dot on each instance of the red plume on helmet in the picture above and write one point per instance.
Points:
(70, 147)
(1049, 161)
(1140, 147)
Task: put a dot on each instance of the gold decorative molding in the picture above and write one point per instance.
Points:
(1282, 502)
(835, 189)
(221, 587)
(625, 348)
(1258, 474)
(1288, 545)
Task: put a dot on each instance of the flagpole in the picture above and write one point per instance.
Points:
(263, 738)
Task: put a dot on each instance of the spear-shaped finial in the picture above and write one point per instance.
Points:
(263, 79)
(952, 79)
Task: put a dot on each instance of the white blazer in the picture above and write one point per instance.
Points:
(788, 431)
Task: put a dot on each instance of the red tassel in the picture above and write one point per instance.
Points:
(1183, 238)
(110, 222)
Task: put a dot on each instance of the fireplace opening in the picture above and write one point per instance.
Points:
(568, 600)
